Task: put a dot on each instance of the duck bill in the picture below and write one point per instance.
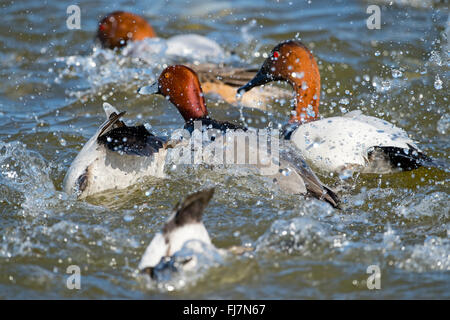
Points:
(151, 89)
(260, 79)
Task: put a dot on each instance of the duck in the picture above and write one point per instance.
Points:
(339, 144)
(119, 28)
(184, 229)
(135, 35)
(115, 157)
(181, 86)
(184, 243)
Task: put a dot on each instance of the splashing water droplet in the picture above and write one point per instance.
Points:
(438, 83)
(443, 124)
(239, 94)
(346, 174)
(344, 101)
(385, 85)
(286, 172)
(397, 73)
(128, 218)
(62, 142)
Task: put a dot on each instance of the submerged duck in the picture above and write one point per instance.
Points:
(184, 243)
(120, 28)
(350, 142)
(180, 85)
(116, 156)
(183, 229)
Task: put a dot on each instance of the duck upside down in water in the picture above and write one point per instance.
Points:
(116, 156)
(184, 242)
(183, 226)
(353, 141)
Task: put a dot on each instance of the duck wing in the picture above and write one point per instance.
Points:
(313, 185)
(136, 140)
(235, 77)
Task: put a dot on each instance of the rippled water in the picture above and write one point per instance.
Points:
(55, 81)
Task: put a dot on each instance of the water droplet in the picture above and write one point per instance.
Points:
(443, 124)
(304, 85)
(344, 101)
(346, 174)
(149, 192)
(128, 218)
(385, 85)
(396, 73)
(438, 83)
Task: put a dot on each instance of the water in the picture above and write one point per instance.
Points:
(55, 81)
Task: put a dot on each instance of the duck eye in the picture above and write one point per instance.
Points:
(167, 75)
(276, 54)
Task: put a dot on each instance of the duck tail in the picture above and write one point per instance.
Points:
(313, 185)
(332, 198)
(408, 159)
(320, 191)
(114, 119)
(109, 109)
(190, 210)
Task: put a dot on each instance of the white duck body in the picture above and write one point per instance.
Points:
(159, 247)
(192, 47)
(195, 47)
(183, 240)
(338, 143)
(96, 168)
